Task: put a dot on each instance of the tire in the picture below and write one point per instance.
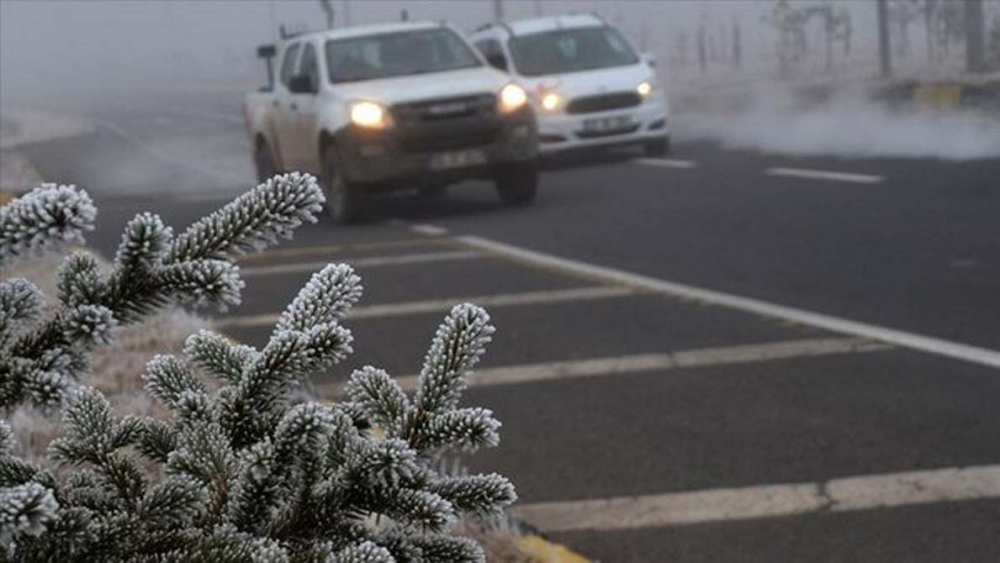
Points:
(659, 147)
(345, 202)
(263, 162)
(517, 183)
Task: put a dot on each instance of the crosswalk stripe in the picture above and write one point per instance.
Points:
(444, 305)
(865, 492)
(367, 262)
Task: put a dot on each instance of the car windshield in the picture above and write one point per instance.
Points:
(570, 50)
(397, 54)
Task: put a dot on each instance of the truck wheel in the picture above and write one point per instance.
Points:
(264, 162)
(659, 147)
(517, 183)
(346, 202)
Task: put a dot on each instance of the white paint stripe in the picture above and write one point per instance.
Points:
(444, 305)
(665, 162)
(605, 274)
(430, 230)
(339, 248)
(370, 262)
(825, 175)
(621, 365)
(766, 501)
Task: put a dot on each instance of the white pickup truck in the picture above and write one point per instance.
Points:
(392, 106)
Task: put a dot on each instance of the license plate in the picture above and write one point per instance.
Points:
(457, 159)
(607, 124)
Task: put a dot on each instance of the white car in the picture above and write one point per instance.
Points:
(391, 106)
(588, 85)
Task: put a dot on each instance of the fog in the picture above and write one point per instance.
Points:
(75, 56)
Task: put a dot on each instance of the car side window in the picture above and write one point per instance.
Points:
(288, 63)
(309, 66)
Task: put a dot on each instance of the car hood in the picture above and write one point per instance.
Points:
(590, 82)
(402, 89)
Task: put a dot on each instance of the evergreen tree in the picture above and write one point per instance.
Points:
(241, 470)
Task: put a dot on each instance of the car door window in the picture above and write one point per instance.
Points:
(492, 52)
(309, 66)
(288, 63)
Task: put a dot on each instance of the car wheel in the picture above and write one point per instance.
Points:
(263, 162)
(345, 202)
(659, 147)
(517, 183)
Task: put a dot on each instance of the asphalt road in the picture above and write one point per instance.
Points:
(629, 400)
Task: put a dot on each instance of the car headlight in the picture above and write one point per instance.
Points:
(551, 101)
(512, 98)
(645, 88)
(369, 114)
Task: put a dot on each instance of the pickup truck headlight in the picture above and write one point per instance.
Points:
(551, 101)
(645, 88)
(512, 98)
(369, 114)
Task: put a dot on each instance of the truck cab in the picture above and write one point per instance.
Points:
(589, 86)
(392, 106)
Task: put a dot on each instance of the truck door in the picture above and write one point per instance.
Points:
(284, 117)
(304, 107)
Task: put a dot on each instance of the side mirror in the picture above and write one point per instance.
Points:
(497, 61)
(649, 59)
(301, 84)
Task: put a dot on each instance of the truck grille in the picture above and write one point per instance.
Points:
(603, 102)
(445, 124)
(445, 109)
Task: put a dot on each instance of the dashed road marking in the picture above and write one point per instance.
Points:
(666, 162)
(430, 230)
(444, 305)
(368, 262)
(766, 501)
(604, 274)
(825, 175)
(638, 363)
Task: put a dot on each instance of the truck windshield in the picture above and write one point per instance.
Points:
(570, 50)
(397, 54)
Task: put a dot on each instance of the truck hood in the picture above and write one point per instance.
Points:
(402, 89)
(590, 82)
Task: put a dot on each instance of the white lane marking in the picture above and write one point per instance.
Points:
(638, 363)
(665, 162)
(766, 501)
(825, 175)
(326, 249)
(369, 262)
(430, 230)
(604, 274)
(444, 305)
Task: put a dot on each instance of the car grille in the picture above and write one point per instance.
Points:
(447, 123)
(445, 109)
(611, 133)
(603, 102)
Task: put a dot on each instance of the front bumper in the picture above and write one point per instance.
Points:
(559, 131)
(405, 157)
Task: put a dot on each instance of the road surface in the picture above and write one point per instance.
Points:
(720, 356)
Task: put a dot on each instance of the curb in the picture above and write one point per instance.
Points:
(540, 550)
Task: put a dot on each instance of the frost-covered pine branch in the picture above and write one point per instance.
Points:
(249, 474)
(40, 358)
